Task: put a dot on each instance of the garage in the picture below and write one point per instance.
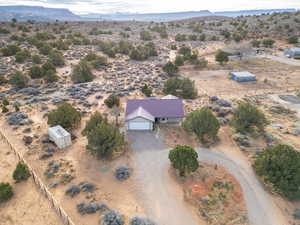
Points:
(140, 120)
(133, 125)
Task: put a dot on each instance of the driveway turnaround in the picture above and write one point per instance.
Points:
(164, 204)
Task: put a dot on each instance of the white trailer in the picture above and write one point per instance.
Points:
(59, 136)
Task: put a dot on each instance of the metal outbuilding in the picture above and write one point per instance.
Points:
(242, 76)
(292, 53)
(59, 136)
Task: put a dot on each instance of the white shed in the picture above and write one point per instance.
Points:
(59, 136)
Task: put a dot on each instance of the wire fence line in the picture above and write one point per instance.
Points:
(39, 183)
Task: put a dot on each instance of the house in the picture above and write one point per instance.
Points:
(142, 114)
(242, 76)
(292, 53)
(59, 136)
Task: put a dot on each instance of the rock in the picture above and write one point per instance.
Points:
(295, 132)
(112, 218)
(54, 184)
(297, 213)
(46, 155)
(122, 173)
(223, 112)
(242, 140)
(89, 208)
(213, 99)
(18, 119)
(138, 220)
(27, 140)
(223, 103)
(72, 190)
(27, 130)
(87, 187)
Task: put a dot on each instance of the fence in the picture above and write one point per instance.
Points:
(59, 210)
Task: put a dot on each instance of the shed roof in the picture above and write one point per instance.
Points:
(58, 131)
(243, 74)
(158, 108)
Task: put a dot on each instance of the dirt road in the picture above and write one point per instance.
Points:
(162, 200)
(282, 59)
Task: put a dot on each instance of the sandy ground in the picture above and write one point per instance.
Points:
(28, 206)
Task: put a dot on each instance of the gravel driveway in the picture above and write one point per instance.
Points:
(163, 204)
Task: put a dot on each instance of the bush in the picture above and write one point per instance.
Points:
(36, 72)
(180, 37)
(255, 43)
(280, 166)
(184, 158)
(6, 192)
(246, 117)
(81, 73)
(45, 49)
(4, 109)
(21, 56)
(203, 123)
(36, 59)
(200, 63)
(179, 60)
(122, 173)
(184, 88)
(112, 101)
(170, 68)
(293, 40)
(137, 220)
(99, 62)
(95, 120)
(112, 217)
(145, 36)
(5, 102)
(221, 57)
(146, 90)
(104, 140)
(10, 50)
(21, 172)
(56, 58)
(50, 76)
(64, 115)
(268, 43)
(18, 80)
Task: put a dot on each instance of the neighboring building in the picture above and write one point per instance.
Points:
(142, 114)
(242, 76)
(292, 53)
(169, 97)
(59, 136)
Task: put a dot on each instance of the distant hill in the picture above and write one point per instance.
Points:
(252, 12)
(23, 13)
(156, 17)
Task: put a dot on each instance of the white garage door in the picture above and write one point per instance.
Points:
(139, 125)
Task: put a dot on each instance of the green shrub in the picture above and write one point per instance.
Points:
(10, 50)
(36, 59)
(56, 58)
(184, 88)
(21, 56)
(6, 192)
(95, 120)
(36, 72)
(21, 172)
(184, 158)
(246, 117)
(170, 68)
(18, 80)
(64, 115)
(221, 57)
(112, 101)
(268, 43)
(280, 166)
(146, 90)
(81, 73)
(50, 76)
(203, 123)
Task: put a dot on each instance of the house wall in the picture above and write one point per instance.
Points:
(169, 120)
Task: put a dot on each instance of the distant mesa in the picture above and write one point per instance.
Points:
(38, 13)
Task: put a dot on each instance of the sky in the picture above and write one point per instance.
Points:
(149, 6)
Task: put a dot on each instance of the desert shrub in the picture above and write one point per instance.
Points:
(200, 63)
(4, 30)
(170, 68)
(184, 158)
(246, 117)
(5, 102)
(36, 72)
(95, 120)
(6, 192)
(255, 43)
(293, 40)
(221, 57)
(64, 115)
(82, 73)
(48, 66)
(125, 47)
(18, 79)
(4, 109)
(45, 49)
(138, 220)
(146, 35)
(99, 62)
(112, 217)
(21, 172)
(280, 166)
(146, 90)
(268, 43)
(50, 76)
(56, 58)
(104, 140)
(179, 60)
(10, 50)
(184, 88)
(202, 37)
(36, 59)
(112, 100)
(21, 56)
(202, 123)
(142, 52)
(186, 52)
(3, 80)
(122, 173)
(180, 37)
